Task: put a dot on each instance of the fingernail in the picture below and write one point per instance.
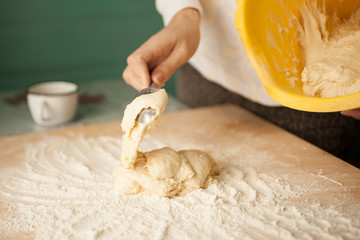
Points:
(158, 77)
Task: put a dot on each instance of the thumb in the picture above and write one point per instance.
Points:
(354, 113)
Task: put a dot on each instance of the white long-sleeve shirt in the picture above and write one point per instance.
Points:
(220, 57)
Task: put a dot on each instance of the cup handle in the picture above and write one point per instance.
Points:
(45, 112)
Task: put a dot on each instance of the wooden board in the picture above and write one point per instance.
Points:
(226, 127)
(228, 131)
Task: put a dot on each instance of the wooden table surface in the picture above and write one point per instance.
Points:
(227, 131)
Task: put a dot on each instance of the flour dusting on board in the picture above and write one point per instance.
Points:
(62, 190)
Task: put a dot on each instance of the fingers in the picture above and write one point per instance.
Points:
(145, 58)
(354, 113)
(136, 73)
(187, 38)
(167, 67)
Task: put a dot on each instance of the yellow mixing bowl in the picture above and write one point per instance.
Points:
(266, 28)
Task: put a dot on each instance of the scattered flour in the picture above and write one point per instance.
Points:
(62, 190)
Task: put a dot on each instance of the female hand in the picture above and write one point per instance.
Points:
(165, 51)
(354, 113)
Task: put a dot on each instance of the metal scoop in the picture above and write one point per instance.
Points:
(147, 114)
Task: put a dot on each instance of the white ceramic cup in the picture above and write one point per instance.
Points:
(53, 103)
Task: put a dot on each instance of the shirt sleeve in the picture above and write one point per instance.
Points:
(168, 8)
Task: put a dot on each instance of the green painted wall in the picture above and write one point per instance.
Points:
(72, 40)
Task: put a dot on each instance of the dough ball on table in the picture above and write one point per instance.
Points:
(166, 173)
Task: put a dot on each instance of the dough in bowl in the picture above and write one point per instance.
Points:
(331, 49)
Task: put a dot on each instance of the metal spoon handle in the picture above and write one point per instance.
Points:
(153, 88)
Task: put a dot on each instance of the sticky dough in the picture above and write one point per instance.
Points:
(331, 48)
(163, 172)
